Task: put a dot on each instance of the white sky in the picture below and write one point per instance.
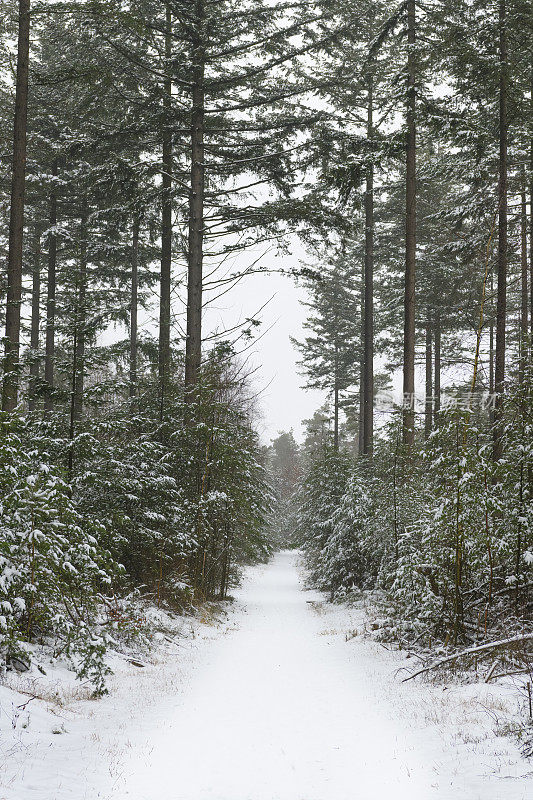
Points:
(282, 401)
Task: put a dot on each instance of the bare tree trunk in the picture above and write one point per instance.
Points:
(16, 215)
(72, 422)
(224, 580)
(491, 360)
(501, 309)
(368, 338)
(49, 355)
(193, 348)
(361, 432)
(428, 406)
(35, 322)
(336, 366)
(531, 224)
(336, 417)
(166, 219)
(81, 317)
(524, 328)
(437, 367)
(410, 237)
(133, 305)
(224, 569)
(491, 338)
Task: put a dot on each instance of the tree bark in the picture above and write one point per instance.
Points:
(531, 224)
(336, 366)
(133, 305)
(16, 215)
(361, 433)
(193, 348)
(437, 366)
(524, 327)
(49, 355)
(368, 343)
(428, 405)
(491, 339)
(166, 219)
(81, 317)
(501, 307)
(72, 415)
(410, 237)
(35, 322)
(225, 567)
(336, 417)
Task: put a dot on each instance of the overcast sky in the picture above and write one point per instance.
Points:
(283, 402)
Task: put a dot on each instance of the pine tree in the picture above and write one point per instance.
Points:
(16, 219)
(330, 354)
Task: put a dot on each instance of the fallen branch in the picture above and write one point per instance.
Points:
(491, 671)
(524, 671)
(482, 648)
(22, 706)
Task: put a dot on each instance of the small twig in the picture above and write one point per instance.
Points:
(510, 674)
(22, 706)
(491, 671)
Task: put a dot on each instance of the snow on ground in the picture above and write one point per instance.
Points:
(279, 701)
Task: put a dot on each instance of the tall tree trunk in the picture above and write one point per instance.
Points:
(428, 406)
(225, 566)
(361, 433)
(361, 430)
(35, 321)
(134, 304)
(49, 354)
(16, 215)
(368, 343)
(336, 365)
(437, 366)
(81, 317)
(336, 417)
(531, 222)
(524, 328)
(72, 422)
(193, 348)
(410, 237)
(501, 308)
(491, 360)
(166, 219)
(491, 340)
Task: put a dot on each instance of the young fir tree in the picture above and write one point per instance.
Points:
(284, 470)
(330, 355)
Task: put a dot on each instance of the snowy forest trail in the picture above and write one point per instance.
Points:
(281, 700)
(280, 710)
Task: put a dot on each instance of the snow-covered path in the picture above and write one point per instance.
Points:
(280, 711)
(275, 703)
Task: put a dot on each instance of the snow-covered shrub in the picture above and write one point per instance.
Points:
(444, 532)
(123, 477)
(217, 461)
(318, 498)
(51, 563)
(350, 558)
(179, 497)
